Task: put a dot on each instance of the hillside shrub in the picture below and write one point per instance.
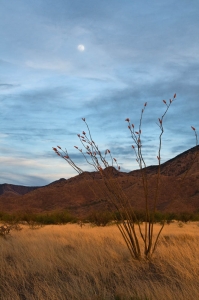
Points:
(60, 217)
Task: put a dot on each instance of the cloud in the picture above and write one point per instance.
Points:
(49, 65)
(136, 52)
(25, 171)
(7, 86)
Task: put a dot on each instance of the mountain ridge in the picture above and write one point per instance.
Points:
(84, 193)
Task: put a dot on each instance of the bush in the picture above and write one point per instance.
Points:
(34, 219)
(100, 218)
(125, 215)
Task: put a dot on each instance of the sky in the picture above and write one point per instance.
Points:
(64, 60)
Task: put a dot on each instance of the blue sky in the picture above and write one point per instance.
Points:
(135, 52)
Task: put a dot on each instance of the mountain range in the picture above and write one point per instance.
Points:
(85, 193)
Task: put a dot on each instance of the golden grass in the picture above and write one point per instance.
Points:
(69, 262)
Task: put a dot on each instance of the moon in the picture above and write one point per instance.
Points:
(81, 48)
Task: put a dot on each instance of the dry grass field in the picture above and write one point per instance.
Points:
(92, 263)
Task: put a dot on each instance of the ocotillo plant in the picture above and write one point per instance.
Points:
(123, 210)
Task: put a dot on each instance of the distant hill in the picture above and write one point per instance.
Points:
(85, 192)
(15, 190)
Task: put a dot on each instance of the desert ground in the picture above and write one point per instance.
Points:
(93, 263)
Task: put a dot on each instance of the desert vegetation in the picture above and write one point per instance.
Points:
(69, 262)
(58, 217)
(96, 218)
(124, 213)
